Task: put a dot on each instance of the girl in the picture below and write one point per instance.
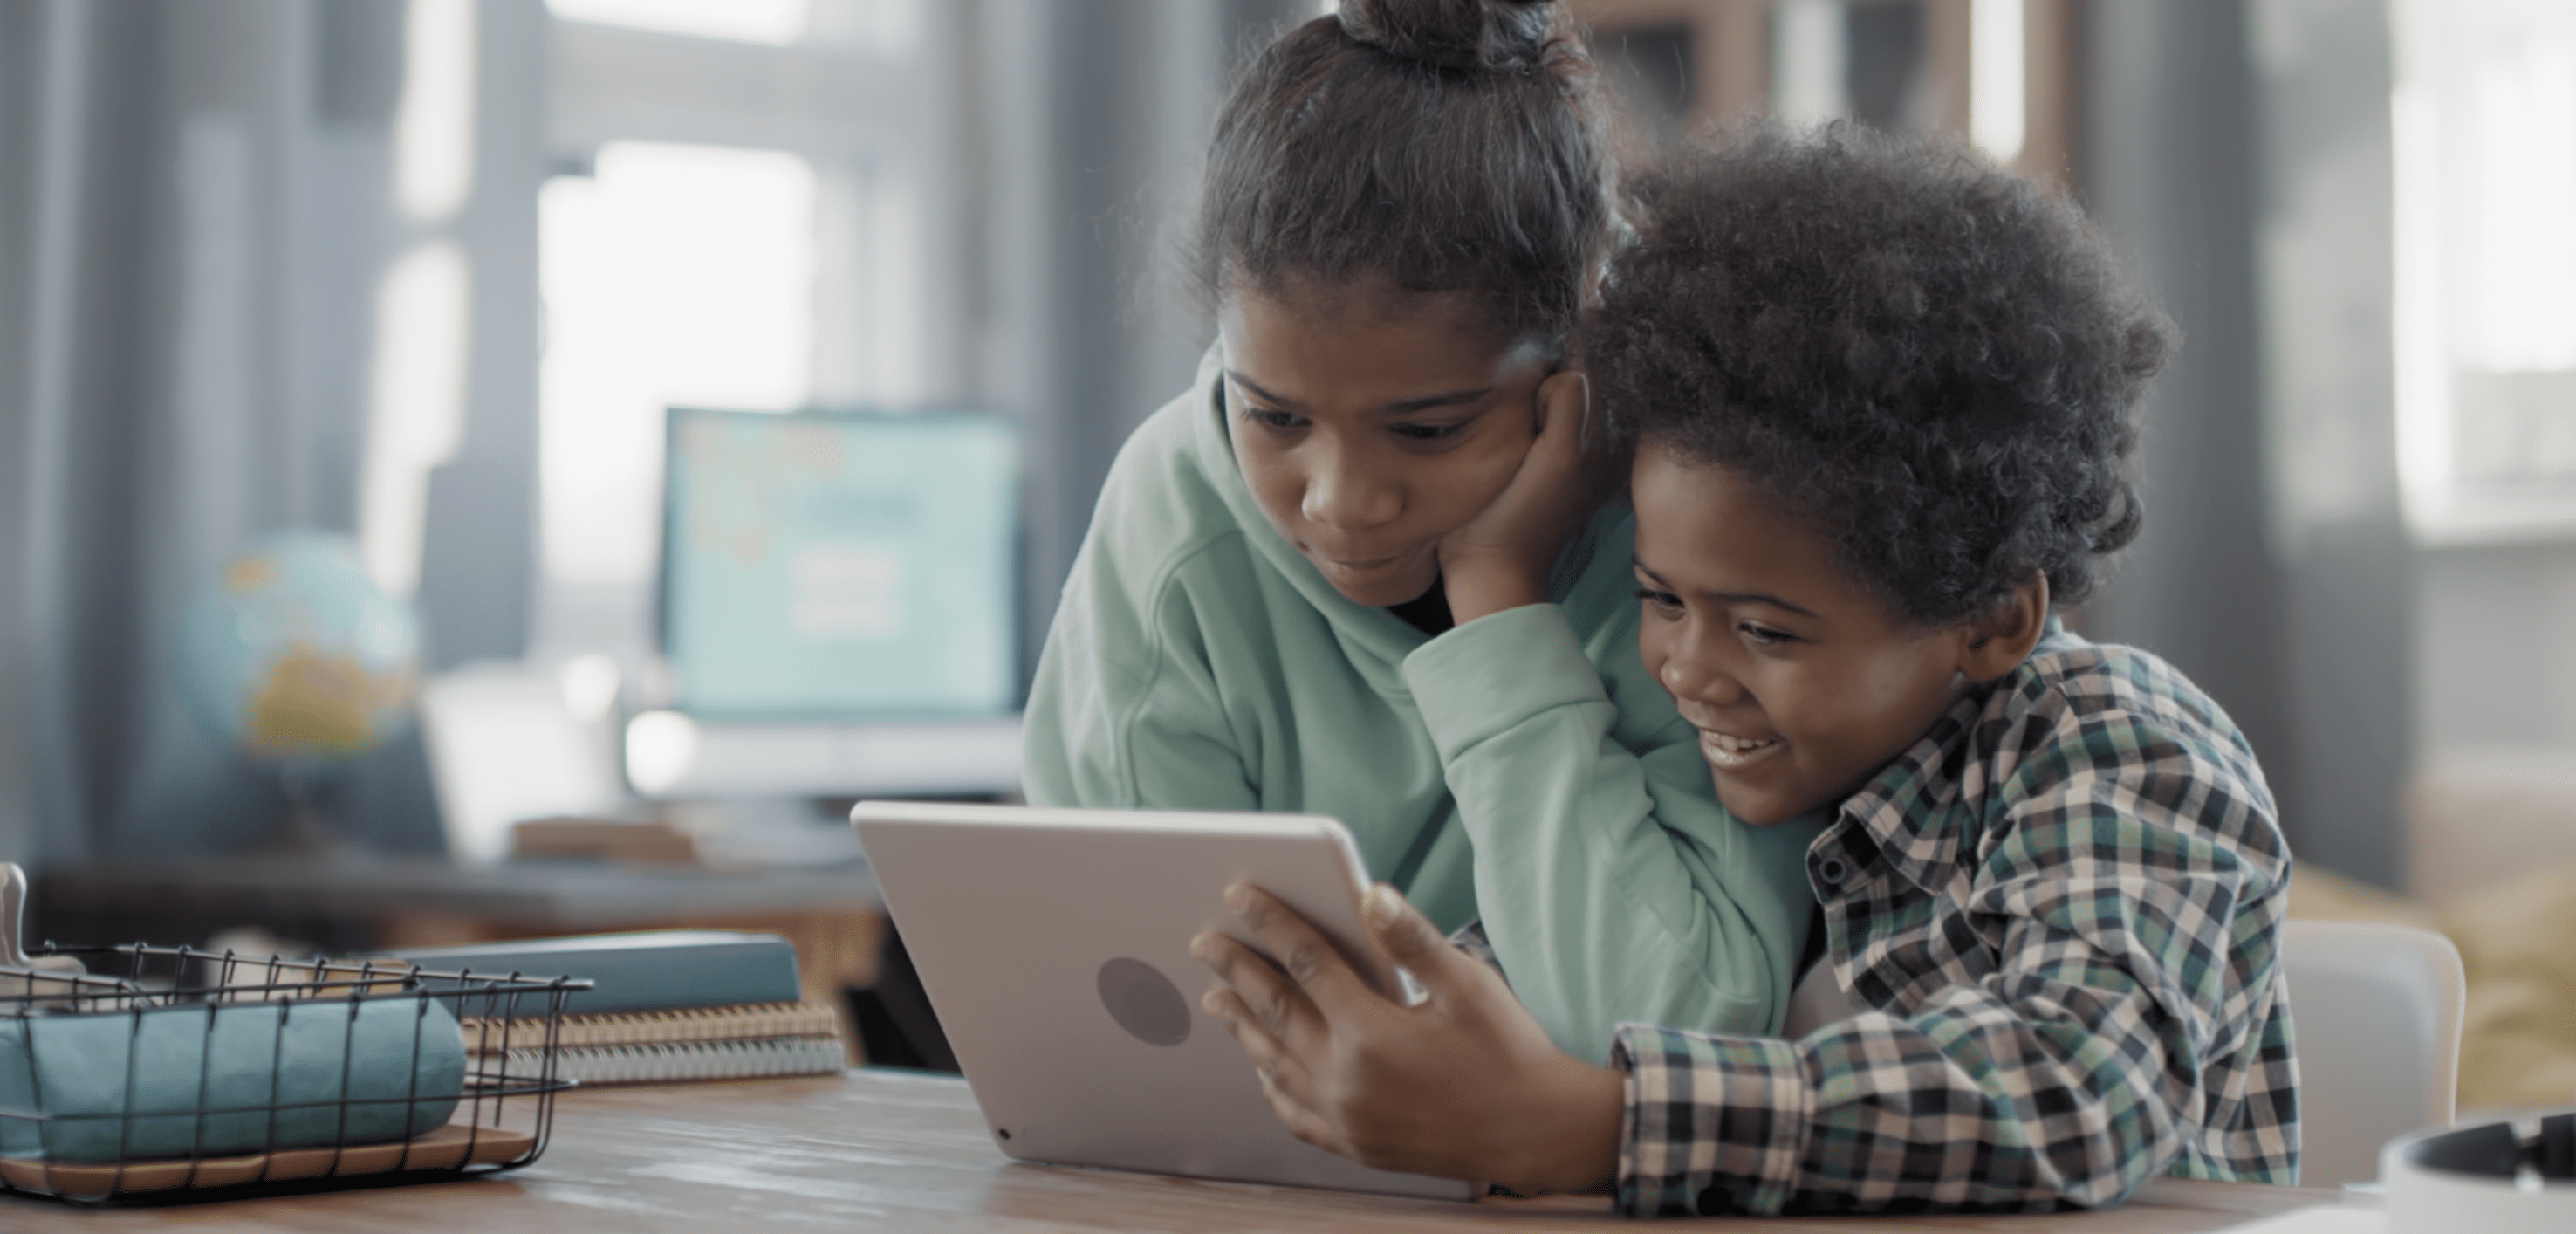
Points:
(1362, 567)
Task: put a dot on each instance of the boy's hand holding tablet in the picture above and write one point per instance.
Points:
(1461, 1084)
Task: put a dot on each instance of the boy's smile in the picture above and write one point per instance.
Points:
(1801, 684)
(1734, 753)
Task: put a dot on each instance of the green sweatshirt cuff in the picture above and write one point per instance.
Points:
(1492, 674)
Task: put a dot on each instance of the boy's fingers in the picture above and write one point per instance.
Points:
(1409, 939)
(1282, 1074)
(1263, 1049)
(1306, 955)
(1277, 1003)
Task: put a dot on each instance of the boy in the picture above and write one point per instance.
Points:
(1880, 395)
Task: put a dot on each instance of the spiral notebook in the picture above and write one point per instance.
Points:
(670, 1006)
(702, 1043)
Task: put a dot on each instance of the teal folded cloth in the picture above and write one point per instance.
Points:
(226, 1079)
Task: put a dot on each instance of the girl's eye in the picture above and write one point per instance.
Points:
(1427, 432)
(1268, 418)
(1664, 600)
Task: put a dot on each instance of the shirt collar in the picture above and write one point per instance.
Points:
(1906, 807)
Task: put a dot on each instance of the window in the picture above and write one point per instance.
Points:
(674, 275)
(2484, 130)
(735, 225)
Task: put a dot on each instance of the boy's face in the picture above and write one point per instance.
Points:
(1801, 684)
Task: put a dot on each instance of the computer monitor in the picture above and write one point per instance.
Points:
(841, 566)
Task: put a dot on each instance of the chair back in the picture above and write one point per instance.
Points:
(2375, 1014)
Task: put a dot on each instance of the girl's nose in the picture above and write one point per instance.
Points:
(1342, 495)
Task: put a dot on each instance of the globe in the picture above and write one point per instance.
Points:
(294, 655)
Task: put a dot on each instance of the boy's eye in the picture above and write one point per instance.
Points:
(1426, 432)
(1761, 635)
(1659, 599)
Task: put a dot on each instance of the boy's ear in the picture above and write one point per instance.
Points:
(1999, 641)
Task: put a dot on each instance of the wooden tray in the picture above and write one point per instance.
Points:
(448, 1148)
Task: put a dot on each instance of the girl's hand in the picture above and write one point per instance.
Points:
(1501, 558)
(1463, 1084)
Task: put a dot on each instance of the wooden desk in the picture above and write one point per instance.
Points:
(892, 1150)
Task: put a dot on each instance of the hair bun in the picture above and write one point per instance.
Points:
(1455, 34)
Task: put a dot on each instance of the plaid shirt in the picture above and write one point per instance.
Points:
(2064, 903)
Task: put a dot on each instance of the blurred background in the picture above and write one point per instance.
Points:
(427, 277)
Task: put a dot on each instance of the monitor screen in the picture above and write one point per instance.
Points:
(841, 566)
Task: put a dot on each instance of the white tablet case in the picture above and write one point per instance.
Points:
(1054, 945)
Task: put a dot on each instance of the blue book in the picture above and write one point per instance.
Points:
(650, 970)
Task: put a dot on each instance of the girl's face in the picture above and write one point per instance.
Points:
(1369, 427)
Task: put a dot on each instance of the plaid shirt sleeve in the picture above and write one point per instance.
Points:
(1471, 939)
(2089, 999)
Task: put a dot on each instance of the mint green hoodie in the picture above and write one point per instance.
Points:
(1522, 767)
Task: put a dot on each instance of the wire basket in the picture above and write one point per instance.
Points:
(147, 1071)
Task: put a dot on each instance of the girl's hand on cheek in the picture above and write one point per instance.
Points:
(1461, 1085)
(1501, 558)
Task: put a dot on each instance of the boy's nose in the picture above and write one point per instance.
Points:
(1677, 678)
(1689, 679)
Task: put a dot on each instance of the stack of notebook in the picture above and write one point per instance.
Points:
(667, 1005)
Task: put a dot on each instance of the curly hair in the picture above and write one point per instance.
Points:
(1929, 363)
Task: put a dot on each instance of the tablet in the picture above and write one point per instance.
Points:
(1054, 945)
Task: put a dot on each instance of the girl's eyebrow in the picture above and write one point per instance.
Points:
(1730, 597)
(1451, 399)
(1404, 407)
(1264, 395)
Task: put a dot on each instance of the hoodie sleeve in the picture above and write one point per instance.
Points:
(1613, 886)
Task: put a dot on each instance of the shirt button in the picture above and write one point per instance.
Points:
(1832, 871)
